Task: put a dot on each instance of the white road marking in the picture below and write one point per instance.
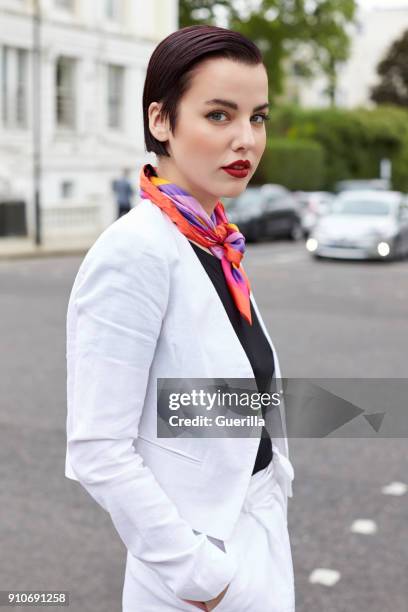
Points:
(290, 257)
(395, 488)
(365, 526)
(322, 575)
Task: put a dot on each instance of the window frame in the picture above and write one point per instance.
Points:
(71, 88)
(117, 98)
(15, 87)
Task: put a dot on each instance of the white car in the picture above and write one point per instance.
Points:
(363, 225)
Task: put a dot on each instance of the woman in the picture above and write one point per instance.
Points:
(162, 294)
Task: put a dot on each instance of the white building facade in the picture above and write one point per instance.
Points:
(88, 91)
(372, 35)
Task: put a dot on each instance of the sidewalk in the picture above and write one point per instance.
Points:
(14, 248)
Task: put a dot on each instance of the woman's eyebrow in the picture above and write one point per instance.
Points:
(233, 104)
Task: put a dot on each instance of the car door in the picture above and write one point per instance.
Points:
(277, 214)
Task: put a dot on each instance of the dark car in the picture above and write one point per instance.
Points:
(270, 211)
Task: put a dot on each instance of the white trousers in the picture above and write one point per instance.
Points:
(264, 581)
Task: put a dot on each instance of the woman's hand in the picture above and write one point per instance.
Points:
(197, 604)
(210, 604)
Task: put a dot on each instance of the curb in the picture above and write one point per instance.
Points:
(34, 253)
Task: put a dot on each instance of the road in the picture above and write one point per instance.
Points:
(327, 319)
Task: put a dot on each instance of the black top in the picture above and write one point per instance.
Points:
(253, 340)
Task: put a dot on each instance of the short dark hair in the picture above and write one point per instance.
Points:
(170, 68)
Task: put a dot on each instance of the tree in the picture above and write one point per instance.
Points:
(310, 33)
(393, 70)
(195, 12)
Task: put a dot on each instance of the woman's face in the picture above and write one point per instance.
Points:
(210, 135)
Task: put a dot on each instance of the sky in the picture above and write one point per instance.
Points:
(383, 3)
(245, 7)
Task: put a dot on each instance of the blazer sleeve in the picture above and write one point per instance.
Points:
(119, 304)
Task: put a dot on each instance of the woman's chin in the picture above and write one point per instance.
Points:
(235, 190)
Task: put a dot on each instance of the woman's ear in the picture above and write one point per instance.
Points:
(158, 126)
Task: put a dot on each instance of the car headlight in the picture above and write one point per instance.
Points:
(383, 249)
(312, 245)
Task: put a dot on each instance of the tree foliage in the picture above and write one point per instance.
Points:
(393, 70)
(354, 141)
(195, 12)
(312, 34)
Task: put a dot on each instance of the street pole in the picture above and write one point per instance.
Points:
(36, 96)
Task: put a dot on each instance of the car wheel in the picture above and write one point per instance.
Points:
(254, 232)
(296, 232)
(250, 234)
(251, 238)
(255, 235)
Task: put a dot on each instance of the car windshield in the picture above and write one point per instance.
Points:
(361, 207)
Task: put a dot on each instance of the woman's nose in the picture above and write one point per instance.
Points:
(244, 137)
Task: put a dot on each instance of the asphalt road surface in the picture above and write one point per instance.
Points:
(328, 319)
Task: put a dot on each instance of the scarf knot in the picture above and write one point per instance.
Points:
(222, 231)
(214, 232)
(231, 243)
(233, 256)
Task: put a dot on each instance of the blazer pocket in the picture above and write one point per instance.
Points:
(177, 453)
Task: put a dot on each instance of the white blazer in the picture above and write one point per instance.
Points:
(142, 307)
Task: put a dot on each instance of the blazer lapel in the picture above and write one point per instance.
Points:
(219, 331)
(209, 309)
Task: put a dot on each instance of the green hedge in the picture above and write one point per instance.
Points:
(297, 164)
(352, 143)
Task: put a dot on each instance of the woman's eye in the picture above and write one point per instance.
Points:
(216, 113)
(263, 117)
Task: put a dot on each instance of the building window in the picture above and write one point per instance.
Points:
(14, 87)
(67, 189)
(65, 92)
(115, 96)
(113, 9)
(67, 5)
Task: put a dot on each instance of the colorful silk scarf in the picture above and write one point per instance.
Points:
(222, 238)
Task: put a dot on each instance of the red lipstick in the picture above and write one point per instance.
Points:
(238, 168)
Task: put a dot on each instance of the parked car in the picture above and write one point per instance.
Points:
(313, 204)
(270, 211)
(362, 185)
(363, 225)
